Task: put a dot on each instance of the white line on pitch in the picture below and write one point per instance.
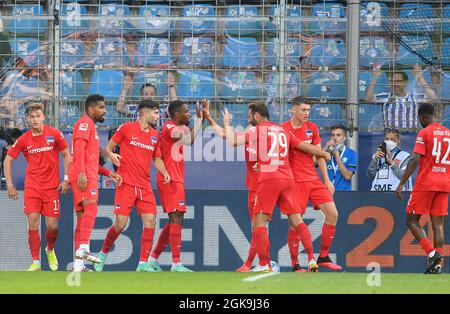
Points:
(258, 277)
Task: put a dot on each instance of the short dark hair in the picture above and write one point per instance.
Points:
(175, 106)
(426, 110)
(339, 126)
(297, 101)
(259, 107)
(148, 104)
(92, 100)
(147, 85)
(402, 73)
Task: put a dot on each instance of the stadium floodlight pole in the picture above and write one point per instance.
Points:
(282, 57)
(54, 7)
(352, 42)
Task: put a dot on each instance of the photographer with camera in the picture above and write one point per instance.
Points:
(389, 164)
(344, 160)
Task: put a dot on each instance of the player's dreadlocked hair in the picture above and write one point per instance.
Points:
(426, 110)
(92, 100)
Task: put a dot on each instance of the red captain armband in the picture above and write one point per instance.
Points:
(103, 171)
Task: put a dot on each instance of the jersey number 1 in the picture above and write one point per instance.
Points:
(437, 151)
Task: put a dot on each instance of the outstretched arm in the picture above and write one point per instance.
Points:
(412, 166)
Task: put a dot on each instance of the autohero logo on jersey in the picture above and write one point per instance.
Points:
(141, 145)
(40, 150)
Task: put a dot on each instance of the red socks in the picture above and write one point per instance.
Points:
(175, 242)
(34, 241)
(262, 244)
(51, 239)
(426, 245)
(293, 242)
(327, 238)
(87, 222)
(305, 237)
(163, 241)
(251, 253)
(111, 237)
(146, 243)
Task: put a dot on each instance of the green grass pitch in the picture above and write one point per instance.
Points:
(219, 283)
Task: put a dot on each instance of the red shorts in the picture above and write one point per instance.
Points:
(279, 192)
(44, 202)
(173, 198)
(251, 203)
(314, 191)
(89, 193)
(128, 196)
(433, 203)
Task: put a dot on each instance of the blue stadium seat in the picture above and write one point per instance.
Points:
(239, 114)
(107, 83)
(156, 78)
(327, 84)
(71, 21)
(150, 24)
(445, 85)
(422, 44)
(117, 25)
(327, 11)
(293, 52)
(111, 52)
(242, 27)
(373, 51)
(198, 25)
(71, 85)
(27, 25)
(369, 114)
(112, 118)
(327, 52)
(446, 15)
(197, 51)
(327, 115)
(30, 50)
(371, 15)
(72, 53)
(292, 11)
(153, 51)
(272, 86)
(238, 84)
(69, 114)
(195, 84)
(365, 77)
(241, 53)
(445, 53)
(413, 17)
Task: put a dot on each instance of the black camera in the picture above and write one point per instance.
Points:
(382, 147)
(10, 135)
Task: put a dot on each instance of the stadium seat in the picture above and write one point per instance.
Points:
(239, 114)
(71, 85)
(422, 44)
(198, 25)
(69, 115)
(445, 85)
(27, 25)
(108, 83)
(292, 11)
(326, 84)
(445, 53)
(242, 27)
(446, 15)
(241, 53)
(156, 78)
(112, 118)
(72, 53)
(197, 52)
(196, 84)
(111, 52)
(365, 77)
(373, 51)
(31, 50)
(153, 51)
(238, 84)
(369, 114)
(327, 11)
(327, 52)
(371, 16)
(71, 21)
(272, 85)
(327, 115)
(414, 17)
(150, 24)
(112, 20)
(292, 55)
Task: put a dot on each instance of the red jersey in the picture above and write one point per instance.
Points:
(433, 144)
(273, 143)
(137, 149)
(42, 154)
(84, 129)
(172, 151)
(302, 164)
(251, 158)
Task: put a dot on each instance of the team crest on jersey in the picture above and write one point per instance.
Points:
(181, 203)
(154, 139)
(117, 206)
(83, 127)
(93, 192)
(50, 139)
(309, 132)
